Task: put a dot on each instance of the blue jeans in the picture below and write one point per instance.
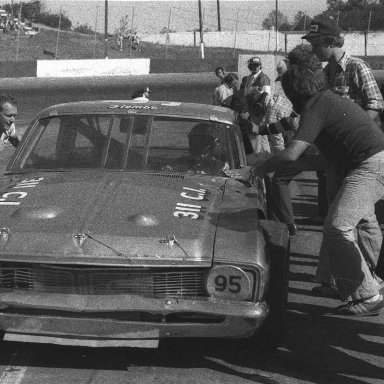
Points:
(354, 203)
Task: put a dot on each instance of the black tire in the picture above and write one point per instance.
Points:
(270, 335)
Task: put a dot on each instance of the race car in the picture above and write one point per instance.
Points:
(120, 227)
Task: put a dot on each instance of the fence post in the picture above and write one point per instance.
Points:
(365, 43)
(366, 35)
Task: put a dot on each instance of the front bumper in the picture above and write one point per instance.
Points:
(111, 320)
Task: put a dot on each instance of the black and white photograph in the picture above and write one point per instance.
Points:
(191, 191)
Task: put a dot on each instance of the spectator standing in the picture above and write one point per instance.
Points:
(223, 93)
(276, 141)
(257, 78)
(220, 74)
(8, 113)
(281, 67)
(348, 139)
(9, 137)
(259, 81)
(239, 104)
(280, 204)
(352, 78)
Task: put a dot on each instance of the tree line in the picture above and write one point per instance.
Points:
(350, 15)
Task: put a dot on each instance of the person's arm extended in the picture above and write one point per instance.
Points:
(280, 160)
(283, 158)
(282, 126)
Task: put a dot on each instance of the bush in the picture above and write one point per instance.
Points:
(84, 29)
(53, 20)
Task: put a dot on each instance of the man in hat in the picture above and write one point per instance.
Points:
(257, 79)
(350, 77)
(346, 75)
(141, 94)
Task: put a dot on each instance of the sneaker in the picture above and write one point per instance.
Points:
(362, 307)
(325, 290)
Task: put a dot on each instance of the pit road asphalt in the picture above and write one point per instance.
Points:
(319, 347)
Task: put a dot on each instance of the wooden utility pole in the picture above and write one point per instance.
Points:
(201, 31)
(58, 35)
(235, 37)
(18, 31)
(106, 30)
(132, 34)
(95, 40)
(276, 27)
(218, 16)
(167, 38)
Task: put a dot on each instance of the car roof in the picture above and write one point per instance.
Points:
(167, 108)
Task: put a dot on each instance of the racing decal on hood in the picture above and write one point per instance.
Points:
(124, 106)
(193, 211)
(9, 198)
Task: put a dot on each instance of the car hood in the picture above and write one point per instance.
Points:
(109, 217)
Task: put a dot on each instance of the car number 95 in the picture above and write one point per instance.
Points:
(230, 282)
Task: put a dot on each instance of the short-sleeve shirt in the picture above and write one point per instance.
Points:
(342, 131)
(222, 95)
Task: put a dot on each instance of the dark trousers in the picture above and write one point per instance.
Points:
(279, 196)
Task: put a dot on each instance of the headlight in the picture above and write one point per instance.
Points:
(227, 281)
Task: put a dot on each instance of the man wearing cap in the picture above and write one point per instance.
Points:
(350, 77)
(257, 79)
(346, 75)
(141, 94)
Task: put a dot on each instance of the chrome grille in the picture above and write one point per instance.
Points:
(103, 281)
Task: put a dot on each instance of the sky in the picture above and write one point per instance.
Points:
(150, 16)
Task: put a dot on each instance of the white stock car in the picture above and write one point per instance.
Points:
(118, 227)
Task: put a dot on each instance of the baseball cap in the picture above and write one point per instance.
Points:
(254, 60)
(324, 27)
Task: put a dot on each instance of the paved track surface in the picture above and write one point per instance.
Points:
(319, 347)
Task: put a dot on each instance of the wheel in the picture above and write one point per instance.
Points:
(269, 336)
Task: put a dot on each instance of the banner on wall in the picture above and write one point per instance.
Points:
(99, 67)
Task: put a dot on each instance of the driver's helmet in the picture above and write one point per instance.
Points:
(202, 139)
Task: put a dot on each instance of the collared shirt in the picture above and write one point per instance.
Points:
(141, 98)
(353, 78)
(259, 80)
(4, 138)
(222, 95)
(278, 107)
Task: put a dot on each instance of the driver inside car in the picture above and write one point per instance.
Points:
(205, 153)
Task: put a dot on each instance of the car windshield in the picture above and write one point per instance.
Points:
(130, 142)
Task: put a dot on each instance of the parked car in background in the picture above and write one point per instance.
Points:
(119, 227)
